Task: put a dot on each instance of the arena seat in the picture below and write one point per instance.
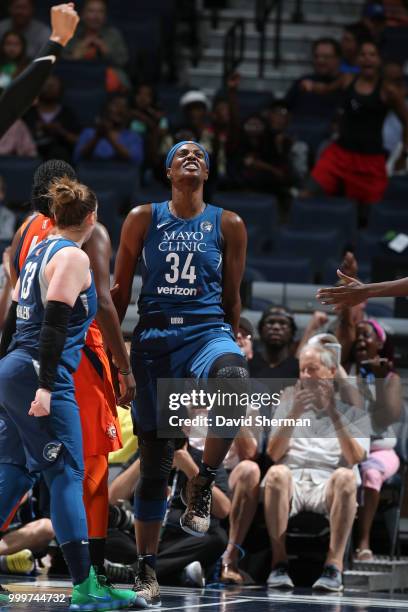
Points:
(144, 42)
(368, 245)
(250, 102)
(108, 214)
(168, 97)
(78, 74)
(324, 215)
(122, 178)
(394, 44)
(276, 269)
(140, 11)
(255, 208)
(326, 200)
(310, 131)
(86, 104)
(315, 245)
(382, 219)
(18, 175)
(397, 189)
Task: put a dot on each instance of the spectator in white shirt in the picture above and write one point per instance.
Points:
(314, 463)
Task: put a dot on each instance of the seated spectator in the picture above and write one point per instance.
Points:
(355, 164)
(290, 154)
(380, 386)
(226, 130)
(314, 464)
(265, 164)
(18, 141)
(277, 329)
(12, 57)
(53, 126)
(148, 121)
(326, 69)
(178, 551)
(111, 139)
(95, 40)
(196, 125)
(21, 20)
(352, 38)
(195, 107)
(18, 546)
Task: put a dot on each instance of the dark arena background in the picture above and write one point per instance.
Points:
(302, 106)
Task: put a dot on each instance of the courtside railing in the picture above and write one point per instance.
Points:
(234, 47)
(263, 10)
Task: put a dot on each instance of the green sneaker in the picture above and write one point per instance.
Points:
(90, 596)
(4, 595)
(123, 598)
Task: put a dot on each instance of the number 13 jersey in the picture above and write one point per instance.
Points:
(181, 263)
(32, 303)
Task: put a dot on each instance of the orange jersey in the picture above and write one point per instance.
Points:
(93, 382)
(33, 230)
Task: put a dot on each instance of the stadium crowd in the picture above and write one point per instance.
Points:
(340, 130)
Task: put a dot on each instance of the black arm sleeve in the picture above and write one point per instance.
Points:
(52, 341)
(21, 93)
(8, 329)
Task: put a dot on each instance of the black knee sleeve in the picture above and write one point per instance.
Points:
(231, 370)
(156, 460)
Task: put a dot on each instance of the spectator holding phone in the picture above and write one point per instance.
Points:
(380, 386)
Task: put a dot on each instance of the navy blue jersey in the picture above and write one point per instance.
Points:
(32, 303)
(182, 263)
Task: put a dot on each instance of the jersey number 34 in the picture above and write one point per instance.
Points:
(187, 272)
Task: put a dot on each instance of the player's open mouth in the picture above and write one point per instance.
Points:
(191, 165)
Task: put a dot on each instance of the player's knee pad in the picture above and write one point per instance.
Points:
(230, 365)
(229, 376)
(156, 461)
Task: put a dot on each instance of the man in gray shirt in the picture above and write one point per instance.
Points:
(316, 452)
(21, 20)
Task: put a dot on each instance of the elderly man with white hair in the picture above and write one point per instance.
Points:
(315, 464)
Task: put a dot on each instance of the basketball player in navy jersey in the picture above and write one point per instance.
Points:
(192, 258)
(54, 303)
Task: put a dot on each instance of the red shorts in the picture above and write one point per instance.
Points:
(360, 176)
(97, 403)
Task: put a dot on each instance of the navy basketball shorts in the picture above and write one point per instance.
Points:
(177, 351)
(36, 442)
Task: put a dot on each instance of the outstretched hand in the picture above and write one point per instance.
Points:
(351, 293)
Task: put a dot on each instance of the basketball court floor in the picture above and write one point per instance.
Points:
(42, 594)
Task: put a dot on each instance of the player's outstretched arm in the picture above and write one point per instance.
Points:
(98, 248)
(235, 244)
(354, 292)
(134, 232)
(19, 96)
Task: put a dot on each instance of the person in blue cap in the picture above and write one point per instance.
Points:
(192, 257)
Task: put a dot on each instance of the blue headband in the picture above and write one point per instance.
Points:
(174, 148)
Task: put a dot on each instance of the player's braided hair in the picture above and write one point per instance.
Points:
(45, 174)
(71, 202)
